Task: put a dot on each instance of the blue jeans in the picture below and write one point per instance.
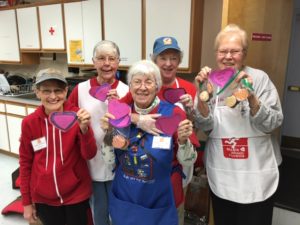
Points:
(99, 202)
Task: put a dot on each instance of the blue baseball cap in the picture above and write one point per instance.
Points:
(163, 43)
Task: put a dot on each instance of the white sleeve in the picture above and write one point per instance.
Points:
(186, 154)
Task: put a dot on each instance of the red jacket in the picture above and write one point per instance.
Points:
(57, 174)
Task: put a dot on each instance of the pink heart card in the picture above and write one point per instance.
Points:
(100, 92)
(221, 77)
(118, 109)
(168, 124)
(121, 122)
(173, 95)
(63, 120)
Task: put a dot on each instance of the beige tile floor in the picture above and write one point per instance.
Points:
(8, 165)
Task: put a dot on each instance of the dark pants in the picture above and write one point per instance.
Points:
(76, 214)
(232, 213)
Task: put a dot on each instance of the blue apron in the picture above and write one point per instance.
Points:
(141, 190)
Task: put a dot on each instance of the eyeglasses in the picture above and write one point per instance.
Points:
(138, 83)
(103, 59)
(233, 52)
(48, 92)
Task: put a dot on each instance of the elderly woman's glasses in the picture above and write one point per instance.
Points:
(232, 52)
(138, 83)
(47, 92)
(104, 59)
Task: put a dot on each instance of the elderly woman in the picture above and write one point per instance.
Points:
(106, 59)
(242, 156)
(142, 190)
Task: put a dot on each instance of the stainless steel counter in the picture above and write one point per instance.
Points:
(26, 99)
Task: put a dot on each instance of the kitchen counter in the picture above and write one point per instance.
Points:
(26, 99)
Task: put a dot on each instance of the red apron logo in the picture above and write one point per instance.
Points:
(235, 148)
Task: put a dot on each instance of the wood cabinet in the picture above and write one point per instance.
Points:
(51, 27)
(15, 114)
(4, 143)
(9, 44)
(126, 16)
(83, 30)
(76, 26)
(11, 116)
(28, 27)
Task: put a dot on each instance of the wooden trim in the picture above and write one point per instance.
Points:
(197, 14)
(44, 2)
(16, 115)
(225, 11)
(39, 26)
(9, 153)
(143, 24)
(17, 28)
(63, 24)
(102, 19)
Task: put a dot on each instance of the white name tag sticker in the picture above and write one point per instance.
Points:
(161, 142)
(39, 144)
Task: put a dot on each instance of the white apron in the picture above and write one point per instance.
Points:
(240, 160)
(99, 170)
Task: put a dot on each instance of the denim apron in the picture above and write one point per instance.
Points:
(142, 191)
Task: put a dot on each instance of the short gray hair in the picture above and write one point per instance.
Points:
(106, 43)
(145, 67)
(230, 30)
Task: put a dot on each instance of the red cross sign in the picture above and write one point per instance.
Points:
(51, 31)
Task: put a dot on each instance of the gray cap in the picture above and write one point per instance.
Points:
(50, 74)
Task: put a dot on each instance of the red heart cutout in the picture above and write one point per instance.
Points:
(63, 120)
(118, 109)
(173, 95)
(100, 92)
(221, 77)
(168, 124)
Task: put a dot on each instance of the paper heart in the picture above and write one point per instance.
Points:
(121, 122)
(168, 124)
(63, 120)
(221, 77)
(118, 109)
(100, 92)
(173, 95)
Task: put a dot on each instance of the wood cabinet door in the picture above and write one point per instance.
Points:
(14, 132)
(4, 144)
(51, 27)
(169, 18)
(92, 28)
(28, 28)
(9, 44)
(123, 25)
(83, 30)
(74, 32)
